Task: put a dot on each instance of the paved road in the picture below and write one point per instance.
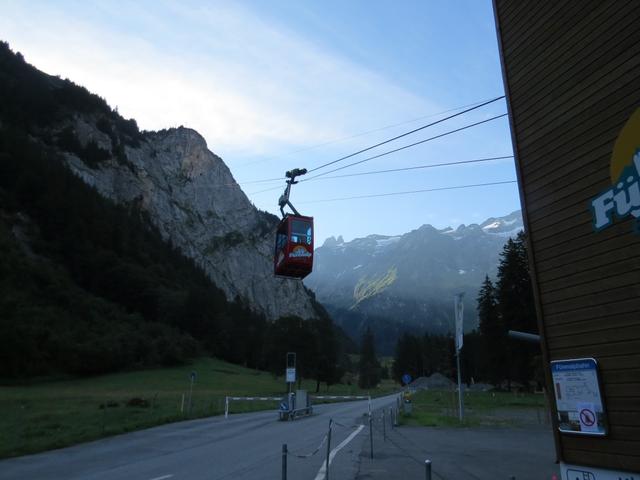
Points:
(526, 453)
(245, 446)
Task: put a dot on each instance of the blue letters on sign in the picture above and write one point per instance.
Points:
(565, 365)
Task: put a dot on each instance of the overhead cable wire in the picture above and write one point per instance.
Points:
(406, 133)
(356, 135)
(417, 167)
(403, 169)
(266, 190)
(387, 153)
(408, 192)
(383, 142)
(405, 147)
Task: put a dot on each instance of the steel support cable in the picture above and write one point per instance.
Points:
(387, 141)
(407, 133)
(356, 135)
(408, 192)
(417, 167)
(406, 146)
(392, 170)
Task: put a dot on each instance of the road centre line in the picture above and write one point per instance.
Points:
(323, 469)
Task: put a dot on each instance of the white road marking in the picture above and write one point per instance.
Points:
(322, 473)
(164, 477)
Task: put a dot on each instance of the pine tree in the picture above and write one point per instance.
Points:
(410, 357)
(327, 369)
(368, 367)
(517, 311)
(492, 333)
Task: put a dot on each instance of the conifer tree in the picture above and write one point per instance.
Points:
(516, 308)
(492, 331)
(368, 367)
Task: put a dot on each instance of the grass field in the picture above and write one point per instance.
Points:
(53, 414)
(440, 409)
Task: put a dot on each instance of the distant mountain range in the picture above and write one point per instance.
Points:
(407, 282)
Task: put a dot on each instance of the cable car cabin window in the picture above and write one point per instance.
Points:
(301, 232)
(281, 241)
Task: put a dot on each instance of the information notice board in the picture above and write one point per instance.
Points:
(576, 385)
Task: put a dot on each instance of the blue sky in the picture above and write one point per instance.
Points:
(283, 84)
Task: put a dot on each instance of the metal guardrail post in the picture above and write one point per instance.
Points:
(384, 427)
(328, 450)
(371, 434)
(284, 461)
(427, 469)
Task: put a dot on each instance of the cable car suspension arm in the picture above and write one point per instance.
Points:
(284, 198)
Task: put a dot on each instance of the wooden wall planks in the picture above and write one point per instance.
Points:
(572, 77)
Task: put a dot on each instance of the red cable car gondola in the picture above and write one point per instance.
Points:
(294, 237)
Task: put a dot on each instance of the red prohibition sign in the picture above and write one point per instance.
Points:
(587, 417)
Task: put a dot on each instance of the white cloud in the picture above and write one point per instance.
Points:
(246, 85)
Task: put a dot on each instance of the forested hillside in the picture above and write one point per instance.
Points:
(488, 353)
(88, 286)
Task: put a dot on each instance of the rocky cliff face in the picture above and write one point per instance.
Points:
(190, 195)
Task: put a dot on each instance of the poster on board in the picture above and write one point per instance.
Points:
(576, 386)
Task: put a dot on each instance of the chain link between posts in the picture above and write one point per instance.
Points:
(322, 442)
(308, 455)
(345, 426)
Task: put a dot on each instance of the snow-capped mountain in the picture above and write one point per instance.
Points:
(394, 283)
(504, 226)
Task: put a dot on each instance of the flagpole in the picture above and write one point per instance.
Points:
(458, 315)
(460, 406)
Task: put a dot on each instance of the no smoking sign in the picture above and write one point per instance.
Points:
(588, 418)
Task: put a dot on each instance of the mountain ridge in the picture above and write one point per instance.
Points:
(186, 191)
(429, 265)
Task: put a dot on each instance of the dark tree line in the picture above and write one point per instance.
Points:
(488, 354)
(369, 368)
(508, 305)
(422, 356)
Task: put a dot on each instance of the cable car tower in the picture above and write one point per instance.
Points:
(293, 256)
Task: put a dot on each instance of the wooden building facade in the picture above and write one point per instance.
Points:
(571, 72)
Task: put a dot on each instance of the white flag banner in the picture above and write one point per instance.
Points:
(459, 311)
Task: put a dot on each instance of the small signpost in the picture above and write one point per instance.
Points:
(406, 379)
(192, 378)
(576, 386)
(290, 370)
(291, 375)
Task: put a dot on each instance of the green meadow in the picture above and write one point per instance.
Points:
(437, 408)
(47, 413)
